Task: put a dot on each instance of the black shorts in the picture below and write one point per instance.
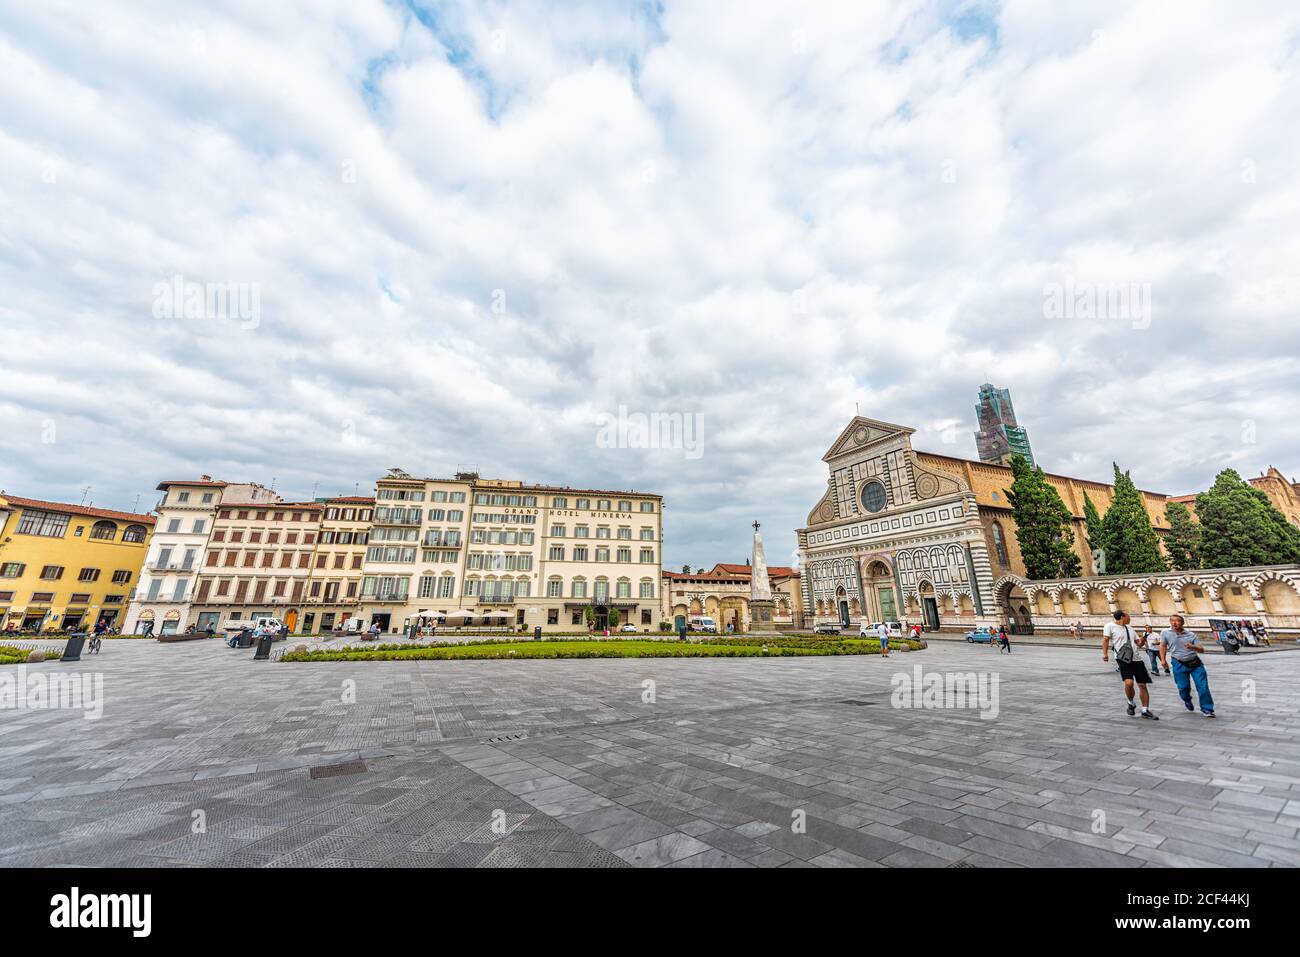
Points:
(1136, 670)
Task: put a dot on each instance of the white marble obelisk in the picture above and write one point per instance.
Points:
(761, 605)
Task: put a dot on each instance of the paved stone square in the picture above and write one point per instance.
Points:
(563, 763)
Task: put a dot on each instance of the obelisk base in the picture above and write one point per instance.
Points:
(760, 617)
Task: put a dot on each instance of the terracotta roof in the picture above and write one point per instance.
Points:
(1007, 470)
(773, 571)
(80, 510)
(201, 483)
(351, 498)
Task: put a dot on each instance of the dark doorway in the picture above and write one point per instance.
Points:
(381, 619)
(844, 614)
(931, 613)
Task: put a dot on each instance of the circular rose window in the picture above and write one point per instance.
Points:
(874, 497)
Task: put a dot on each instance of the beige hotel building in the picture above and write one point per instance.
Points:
(506, 553)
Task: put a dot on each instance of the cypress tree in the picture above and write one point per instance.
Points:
(1184, 539)
(1240, 527)
(1042, 524)
(1096, 536)
(1132, 545)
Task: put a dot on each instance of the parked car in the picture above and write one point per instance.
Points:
(702, 623)
(980, 636)
(827, 628)
(629, 628)
(872, 630)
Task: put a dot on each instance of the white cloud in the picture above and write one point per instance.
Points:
(476, 228)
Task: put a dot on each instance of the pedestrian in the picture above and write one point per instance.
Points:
(1119, 637)
(210, 630)
(1004, 643)
(882, 632)
(1186, 651)
(1152, 646)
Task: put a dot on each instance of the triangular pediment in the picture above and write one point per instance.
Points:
(862, 433)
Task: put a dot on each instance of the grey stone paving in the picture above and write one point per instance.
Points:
(562, 763)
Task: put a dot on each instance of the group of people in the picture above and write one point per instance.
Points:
(1177, 650)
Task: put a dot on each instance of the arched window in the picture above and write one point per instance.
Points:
(1000, 543)
(135, 533)
(106, 531)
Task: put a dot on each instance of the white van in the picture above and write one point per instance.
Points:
(702, 623)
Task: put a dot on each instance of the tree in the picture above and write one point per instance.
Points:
(1240, 527)
(1042, 524)
(1131, 545)
(1184, 539)
(686, 569)
(1092, 519)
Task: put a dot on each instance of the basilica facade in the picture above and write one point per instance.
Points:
(893, 537)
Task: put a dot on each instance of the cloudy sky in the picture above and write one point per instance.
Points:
(468, 234)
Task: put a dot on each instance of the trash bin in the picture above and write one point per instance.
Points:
(537, 633)
(263, 648)
(72, 650)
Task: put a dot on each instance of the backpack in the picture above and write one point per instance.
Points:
(1125, 651)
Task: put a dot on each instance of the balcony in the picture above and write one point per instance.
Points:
(495, 599)
(172, 566)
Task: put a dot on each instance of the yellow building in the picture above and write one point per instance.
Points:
(66, 567)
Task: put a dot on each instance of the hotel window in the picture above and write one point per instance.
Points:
(182, 496)
(624, 533)
(625, 554)
(583, 503)
(121, 577)
(625, 506)
(254, 536)
(6, 596)
(602, 554)
(647, 534)
(88, 575)
(602, 531)
(446, 586)
(456, 497)
(52, 573)
(174, 525)
(135, 534)
(555, 588)
(552, 616)
(557, 553)
(42, 596)
(581, 531)
(602, 590)
(580, 553)
(207, 498)
(436, 514)
(104, 531)
(579, 588)
(647, 555)
(624, 588)
(647, 589)
(427, 583)
(218, 534)
(559, 503)
(647, 506)
(455, 515)
(438, 496)
(557, 531)
(12, 570)
(237, 535)
(44, 524)
(602, 505)
(200, 525)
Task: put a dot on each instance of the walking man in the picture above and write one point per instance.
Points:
(1152, 645)
(1119, 637)
(1186, 651)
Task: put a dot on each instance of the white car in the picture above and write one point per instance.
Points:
(873, 629)
(631, 628)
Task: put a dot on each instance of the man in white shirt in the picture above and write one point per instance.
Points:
(882, 632)
(1127, 644)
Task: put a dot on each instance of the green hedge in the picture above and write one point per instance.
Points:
(625, 648)
(9, 655)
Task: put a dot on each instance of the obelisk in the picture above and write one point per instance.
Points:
(761, 605)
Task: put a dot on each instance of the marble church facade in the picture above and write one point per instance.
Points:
(894, 538)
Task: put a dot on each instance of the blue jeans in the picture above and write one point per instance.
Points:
(1184, 676)
(1155, 662)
